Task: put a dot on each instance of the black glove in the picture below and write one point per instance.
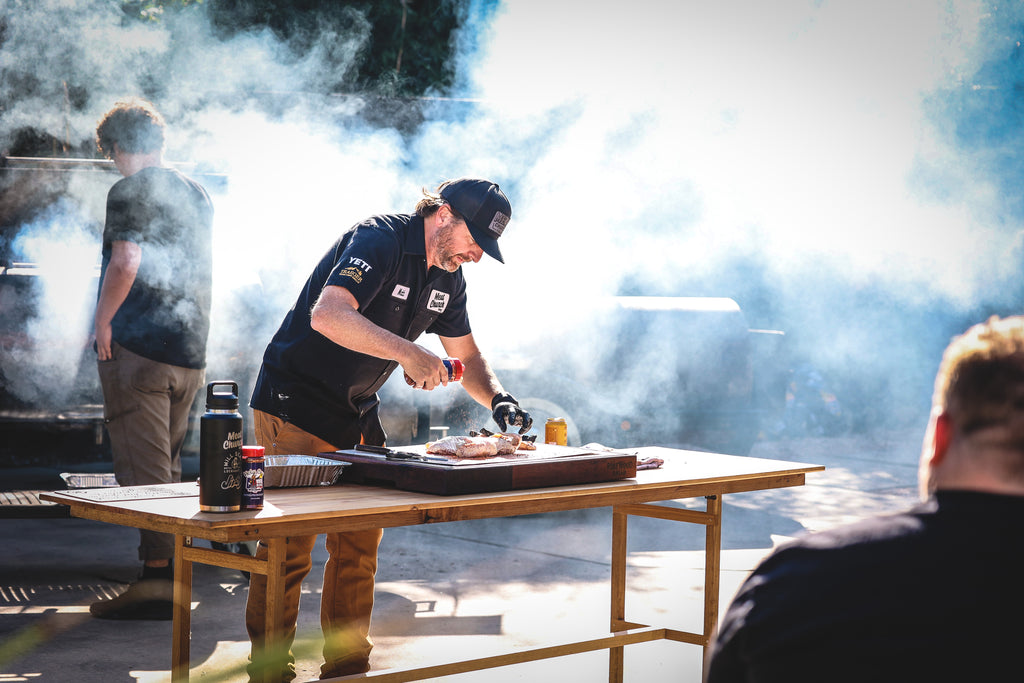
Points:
(506, 412)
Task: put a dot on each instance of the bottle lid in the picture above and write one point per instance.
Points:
(223, 400)
(252, 451)
(455, 369)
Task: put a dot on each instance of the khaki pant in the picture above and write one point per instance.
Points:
(347, 599)
(146, 405)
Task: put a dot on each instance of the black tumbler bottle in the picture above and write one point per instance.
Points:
(220, 450)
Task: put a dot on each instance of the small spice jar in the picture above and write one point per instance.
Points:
(556, 431)
(455, 368)
(252, 477)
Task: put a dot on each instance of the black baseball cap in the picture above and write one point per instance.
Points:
(485, 208)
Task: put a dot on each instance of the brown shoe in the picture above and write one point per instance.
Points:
(146, 599)
(345, 667)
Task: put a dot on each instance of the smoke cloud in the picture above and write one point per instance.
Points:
(833, 167)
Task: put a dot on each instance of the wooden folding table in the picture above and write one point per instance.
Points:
(174, 508)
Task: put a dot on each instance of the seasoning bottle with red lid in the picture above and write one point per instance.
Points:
(453, 365)
(455, 369)
(252, 477)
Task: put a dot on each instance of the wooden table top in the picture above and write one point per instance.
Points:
(345, 507)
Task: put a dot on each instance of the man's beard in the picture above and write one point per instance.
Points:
(442, 244)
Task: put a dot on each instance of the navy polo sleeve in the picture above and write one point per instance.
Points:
(366, 262)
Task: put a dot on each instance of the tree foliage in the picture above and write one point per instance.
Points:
(407, 52)
(384, 51)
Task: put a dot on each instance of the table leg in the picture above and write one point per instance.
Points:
(182, 613)
(276, 548)
(711, 518)
(618, 617)
(712, 569)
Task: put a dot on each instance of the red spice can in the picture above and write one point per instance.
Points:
(252, 477)
(455, 368)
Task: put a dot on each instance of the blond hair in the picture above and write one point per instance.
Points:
(980, 382)
(430, 202)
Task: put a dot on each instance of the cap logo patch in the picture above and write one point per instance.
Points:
(438, 301)
(498, 224)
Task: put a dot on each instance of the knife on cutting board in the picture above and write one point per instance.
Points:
(393, 454)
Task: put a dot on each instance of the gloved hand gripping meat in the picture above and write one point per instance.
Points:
(506, 413)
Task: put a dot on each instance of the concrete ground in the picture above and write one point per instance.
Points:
(444, 591)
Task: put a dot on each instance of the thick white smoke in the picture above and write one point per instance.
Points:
(793, 155)
(788, 130)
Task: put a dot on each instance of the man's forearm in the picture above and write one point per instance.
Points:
(347, 327)
(112, 295)
(117, 280)
(479, 380)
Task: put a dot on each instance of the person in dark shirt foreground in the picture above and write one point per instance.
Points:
(930, 594)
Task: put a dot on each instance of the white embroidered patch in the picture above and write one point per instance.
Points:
(401, 292)
(360, 263)
(437, 302)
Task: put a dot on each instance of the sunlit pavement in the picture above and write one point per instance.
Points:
(445, 591)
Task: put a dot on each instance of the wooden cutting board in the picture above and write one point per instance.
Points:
(549, 465)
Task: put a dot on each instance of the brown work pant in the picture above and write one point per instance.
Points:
(146, 405)
(347, 599)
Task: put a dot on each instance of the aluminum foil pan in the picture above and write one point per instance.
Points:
(88, 480)
(284, 471)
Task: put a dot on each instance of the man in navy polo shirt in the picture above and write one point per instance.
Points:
(379, 287)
